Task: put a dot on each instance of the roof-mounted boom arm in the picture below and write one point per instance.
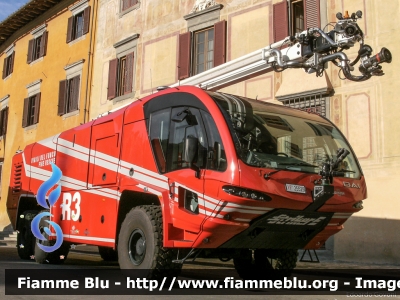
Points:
(310, 50)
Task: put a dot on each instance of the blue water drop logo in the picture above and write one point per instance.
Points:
(47, 185)
(41, 199)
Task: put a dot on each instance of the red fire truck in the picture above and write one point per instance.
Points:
(187, 172)
(191, 169)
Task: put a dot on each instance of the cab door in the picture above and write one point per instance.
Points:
(179, 145)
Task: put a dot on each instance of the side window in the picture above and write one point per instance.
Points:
(185, 124)
(216, 158)
(170, 130)
(159, 129)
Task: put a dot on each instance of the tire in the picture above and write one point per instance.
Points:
(262, 263)
(56, 257)
(140, 244)
(108, 254)
(25, 238)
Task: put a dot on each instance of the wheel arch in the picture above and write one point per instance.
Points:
(130, 199)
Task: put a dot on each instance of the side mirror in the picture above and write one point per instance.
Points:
(217, 154)
(190, 151)
(187, 115)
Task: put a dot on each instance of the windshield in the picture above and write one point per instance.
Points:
(273, 136)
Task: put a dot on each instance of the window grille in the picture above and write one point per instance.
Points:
(317, 103)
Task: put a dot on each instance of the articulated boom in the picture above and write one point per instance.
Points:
(312, 48)
(309, 50)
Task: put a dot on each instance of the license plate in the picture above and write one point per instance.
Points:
(293, 188)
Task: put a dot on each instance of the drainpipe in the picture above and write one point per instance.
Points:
(90, 67)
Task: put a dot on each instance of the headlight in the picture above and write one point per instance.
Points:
(245, 193)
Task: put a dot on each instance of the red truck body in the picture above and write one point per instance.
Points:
(115, 163)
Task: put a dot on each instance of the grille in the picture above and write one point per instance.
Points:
(17, 178)
(314, 104)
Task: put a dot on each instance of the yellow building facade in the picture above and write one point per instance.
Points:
(47, 63)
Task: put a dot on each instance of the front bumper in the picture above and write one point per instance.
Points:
(281, 229)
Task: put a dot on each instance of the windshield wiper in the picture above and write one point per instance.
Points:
(298, 164)
(345, 171)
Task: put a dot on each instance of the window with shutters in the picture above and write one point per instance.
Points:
(121, 70)
(3, 120)
(202, 50)
(37, 47)
(68, 97)
(31, 110)
(8, 65)
(291, 17)
(4, 114)
(120, 80)
(78, 24)
(69, 90)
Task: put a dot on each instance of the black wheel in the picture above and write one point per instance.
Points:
(25, 238)
(264, 263)
(56, 257)
(108, 254)
(140, 243)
